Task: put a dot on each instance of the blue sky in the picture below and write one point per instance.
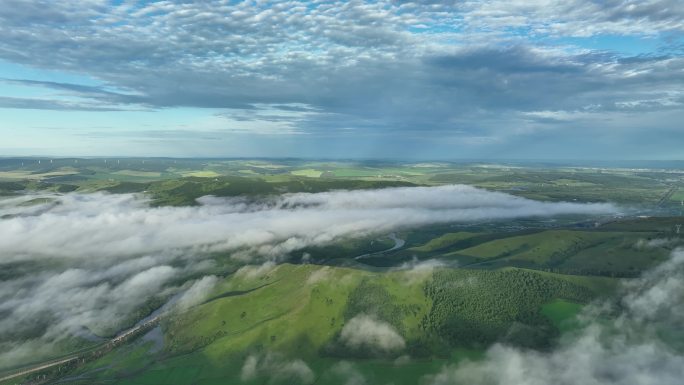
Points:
(429, 79)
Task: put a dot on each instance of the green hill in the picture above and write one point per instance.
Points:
(295, 315)
(587, 252)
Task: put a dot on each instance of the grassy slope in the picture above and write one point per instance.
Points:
(562, 314)
(443, 241)
(544, 247)
(593, 252)
(297, 311)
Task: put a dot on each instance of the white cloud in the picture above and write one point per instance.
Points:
(277, 368)
(350, 375)
(255, 271)
(98, 226)
(417, 271)
(578, 17)
(198, 292)
(49, 306)
(319, 275)
(656, 243)
(366, 332)
(249, 368)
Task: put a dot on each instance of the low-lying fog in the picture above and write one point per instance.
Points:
(80, 264)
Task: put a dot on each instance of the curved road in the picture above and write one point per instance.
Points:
(119, 338)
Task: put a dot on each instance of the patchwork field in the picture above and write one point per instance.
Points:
(636, 187)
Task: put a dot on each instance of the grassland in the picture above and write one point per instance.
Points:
(622, 248)
(443, 242)
(570, 249)
(296, 312)
(562, 313)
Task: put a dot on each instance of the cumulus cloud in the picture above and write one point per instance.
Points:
(84, 265)
(366, 332)
(417, 271)
(641, 345)
(656, 243)
(276, 368)
(348, 374)
(418, 267)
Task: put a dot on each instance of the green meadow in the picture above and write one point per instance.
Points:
(296, 312)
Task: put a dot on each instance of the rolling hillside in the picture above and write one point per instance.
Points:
(265, 314)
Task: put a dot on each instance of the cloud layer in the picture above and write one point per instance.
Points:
(477, 73)
(85, 264)
(101, 226)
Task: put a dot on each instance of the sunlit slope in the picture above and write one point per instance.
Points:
(281, 314)
(539, 248)
(444, 241)
(590, 252)
(566, 184)
(293, 308)
(301, 308)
